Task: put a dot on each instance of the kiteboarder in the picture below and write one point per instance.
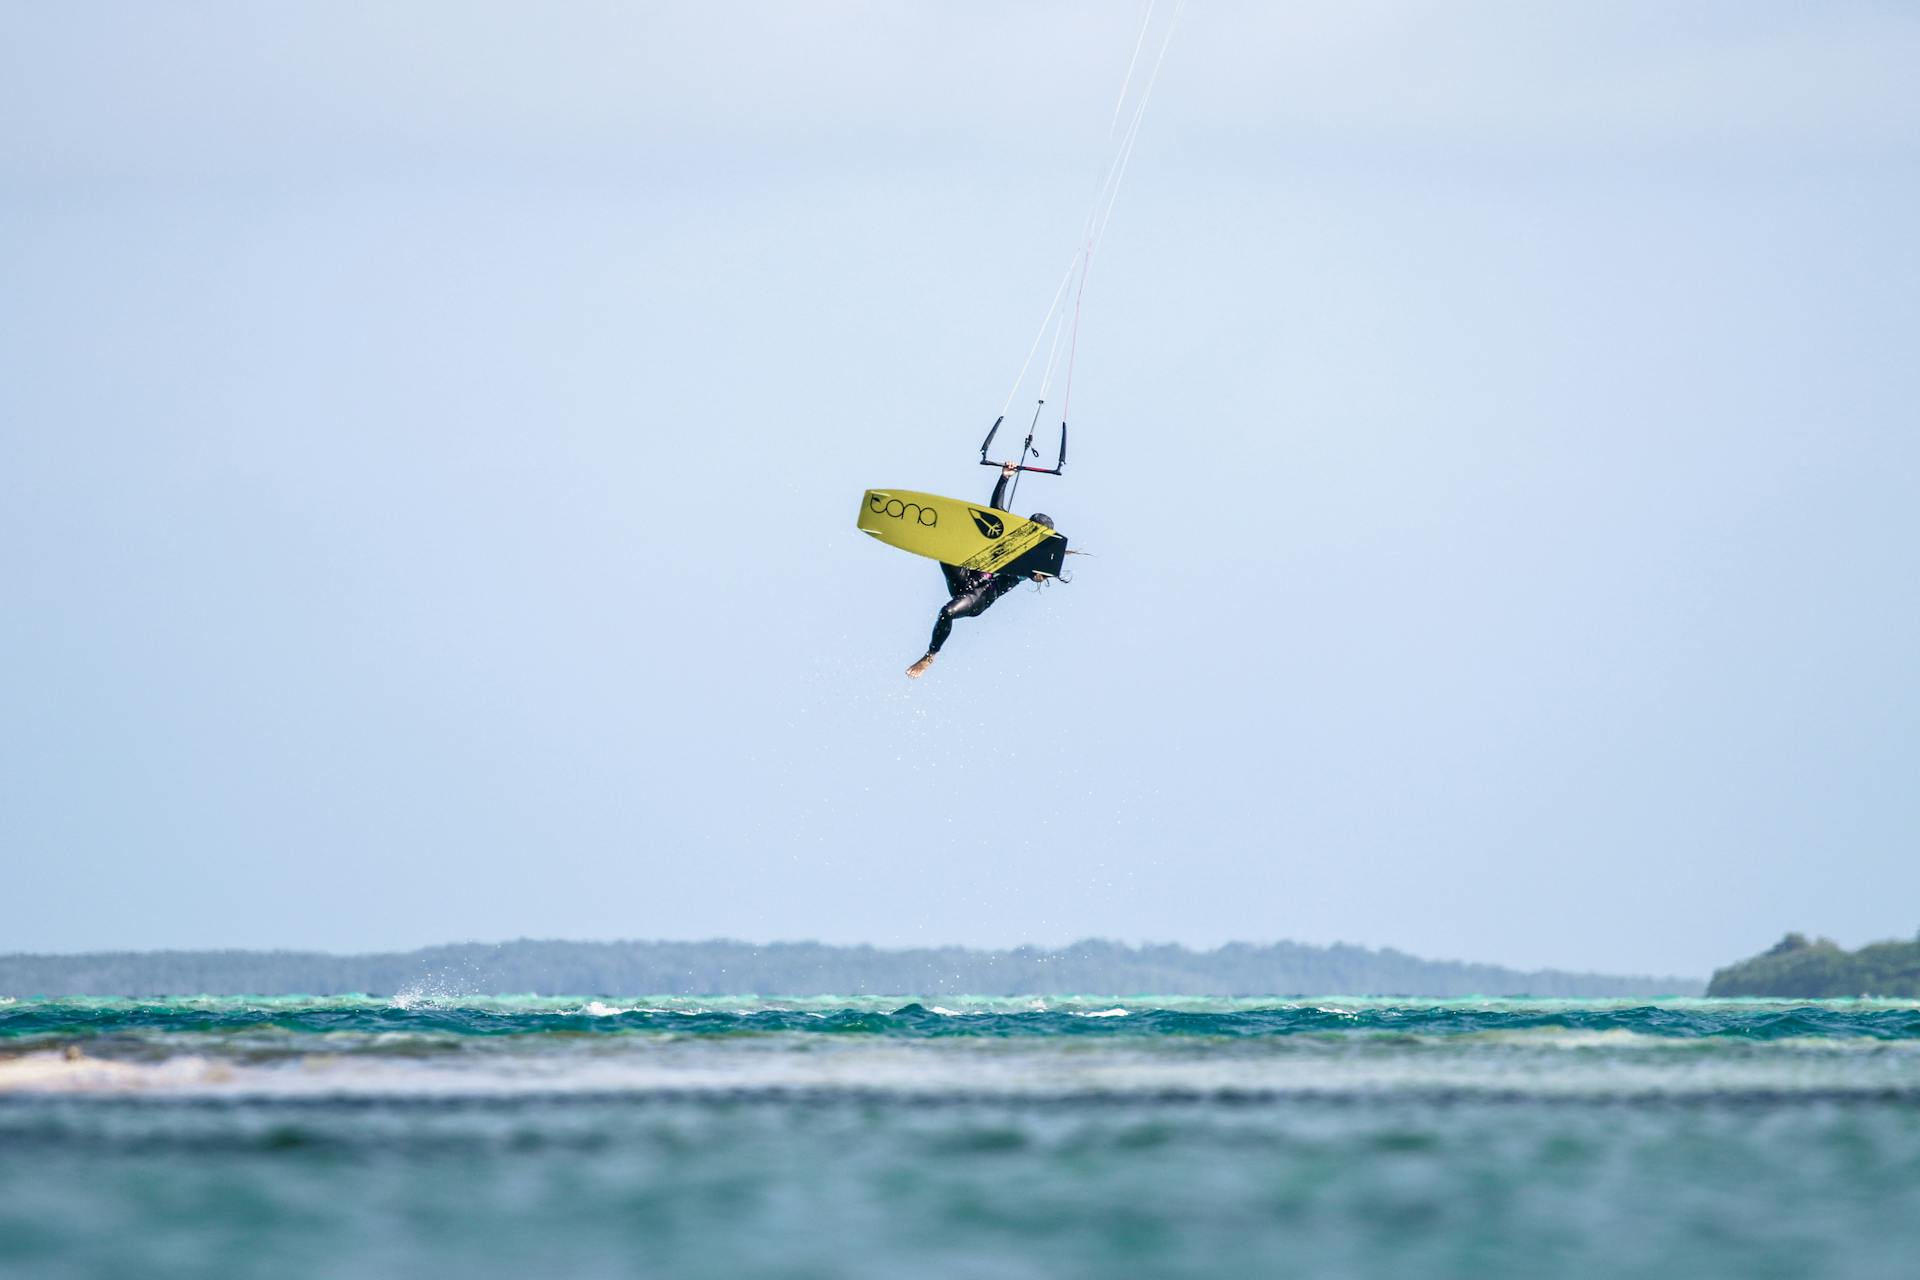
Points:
(974, 590)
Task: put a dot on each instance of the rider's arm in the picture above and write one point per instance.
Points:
(998, 501)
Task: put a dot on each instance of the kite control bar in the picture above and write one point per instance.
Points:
(1027, 450)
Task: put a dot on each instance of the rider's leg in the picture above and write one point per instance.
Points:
(968, 604)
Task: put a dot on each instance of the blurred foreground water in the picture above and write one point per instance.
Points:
(829, 1137)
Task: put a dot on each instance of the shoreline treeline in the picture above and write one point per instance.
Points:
(803, 968)
(1802, 969)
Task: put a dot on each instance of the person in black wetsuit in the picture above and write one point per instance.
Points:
(973, 590)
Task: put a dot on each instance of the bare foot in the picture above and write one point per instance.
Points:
(919, 668)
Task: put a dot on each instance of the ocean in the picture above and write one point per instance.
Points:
(1091, 1137)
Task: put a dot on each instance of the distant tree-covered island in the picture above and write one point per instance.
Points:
(1802, 969)
(803, 969)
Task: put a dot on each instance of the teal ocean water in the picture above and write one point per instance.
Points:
(420, 1136)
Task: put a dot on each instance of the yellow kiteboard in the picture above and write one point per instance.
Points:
(960, 533)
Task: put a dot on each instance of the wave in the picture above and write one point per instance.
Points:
(294, 1017)
(491, 1047)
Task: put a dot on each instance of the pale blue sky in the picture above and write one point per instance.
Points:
(430, 438)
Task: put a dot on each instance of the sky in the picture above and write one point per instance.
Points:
(431, 437)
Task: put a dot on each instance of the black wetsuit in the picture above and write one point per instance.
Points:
(973, 590)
